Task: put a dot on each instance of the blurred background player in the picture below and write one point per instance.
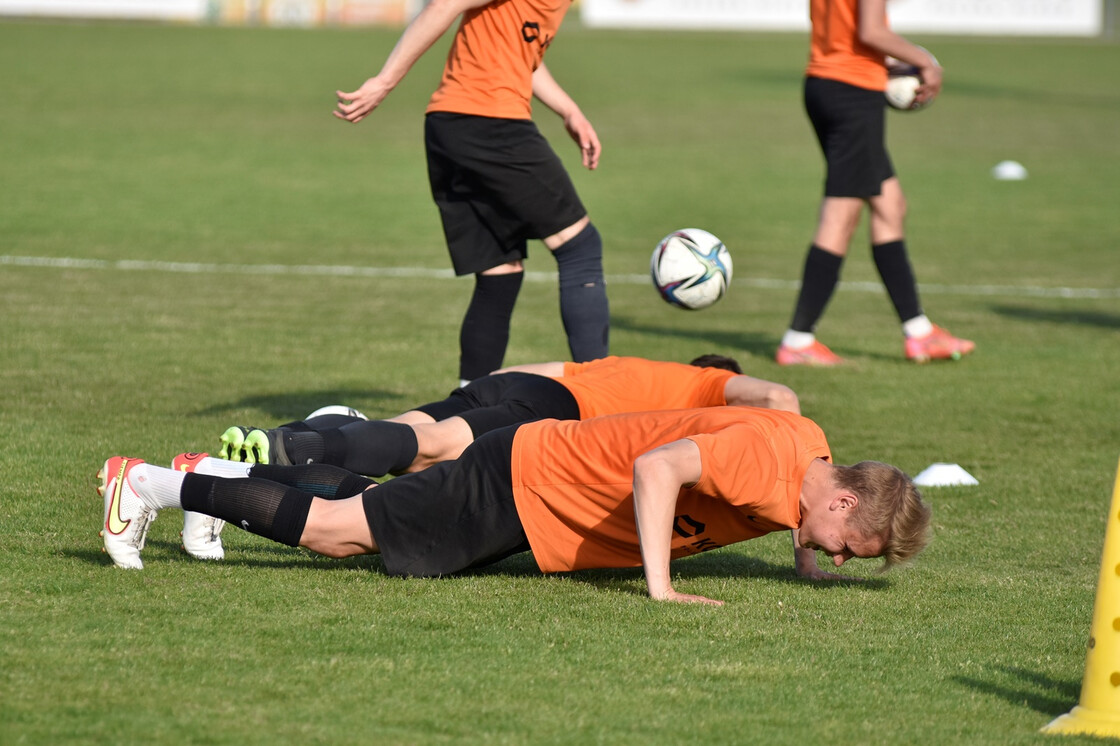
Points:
(493, 176)
(628, 490)
(844, 85)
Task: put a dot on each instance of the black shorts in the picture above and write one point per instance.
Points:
(850, 123)
(497, 183)
(453, 516)
(491, 402)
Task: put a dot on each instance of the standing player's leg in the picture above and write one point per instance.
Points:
(820, 276)
(498, 183)
(847, 122)
(484, 334)
(924, 340)
(584, 309)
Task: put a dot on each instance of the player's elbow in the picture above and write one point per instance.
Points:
(873, 34)
(678, 463)
(784, 398)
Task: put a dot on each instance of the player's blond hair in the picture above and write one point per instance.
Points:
(889, 506)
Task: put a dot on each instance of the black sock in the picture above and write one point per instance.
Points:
(374, 448)
(303, 447)
(322, 480)
(583, 295)
(893, 264)
(485, 331)
(269, 509)
(818, 283)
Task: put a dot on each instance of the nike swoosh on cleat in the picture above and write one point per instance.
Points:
(114, 523)
(190, 457)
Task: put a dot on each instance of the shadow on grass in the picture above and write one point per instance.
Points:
(1067, 316)
(632, 579)
(271, 556)
(1041, 693)
(753, 342)
(292, 405)
(623, 580)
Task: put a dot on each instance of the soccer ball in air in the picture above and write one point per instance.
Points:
(902, 86)
(691, 268)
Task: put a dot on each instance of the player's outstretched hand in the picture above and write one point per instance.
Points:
(357, 105)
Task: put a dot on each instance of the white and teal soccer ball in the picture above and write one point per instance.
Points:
(336, 409)
(691, 268)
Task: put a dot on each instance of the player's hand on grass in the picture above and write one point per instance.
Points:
(357, 105)
(685, 598)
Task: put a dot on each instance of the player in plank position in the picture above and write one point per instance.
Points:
(625, 490)
(440, 431)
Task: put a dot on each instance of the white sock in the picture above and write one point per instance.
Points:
(159, 487)
(798, 340)
(919, 326)
(217, 467)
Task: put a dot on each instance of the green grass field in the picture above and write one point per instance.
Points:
(125, 148)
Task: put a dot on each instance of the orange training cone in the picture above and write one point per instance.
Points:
(1098, 712)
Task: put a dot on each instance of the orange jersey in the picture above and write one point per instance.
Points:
(626, 384)
(489, 70)
(835, 51)
(577, 505)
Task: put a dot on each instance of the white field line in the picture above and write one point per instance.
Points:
(1030, 291)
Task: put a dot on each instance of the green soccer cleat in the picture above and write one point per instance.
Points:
(265, 447)
(232, 441)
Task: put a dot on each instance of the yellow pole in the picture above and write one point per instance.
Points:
(1098, 712)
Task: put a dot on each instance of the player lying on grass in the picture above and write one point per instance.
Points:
(440, 431)
(625, 490)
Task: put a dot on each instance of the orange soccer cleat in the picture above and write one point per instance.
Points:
(815, 354)
(937, 345)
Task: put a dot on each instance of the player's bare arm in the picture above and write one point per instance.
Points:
(431, 23)
(549, 93)
(553, 369)
(875, 33)
(746, 391)
(658, 477)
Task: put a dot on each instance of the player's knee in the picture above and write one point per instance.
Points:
(580, 260)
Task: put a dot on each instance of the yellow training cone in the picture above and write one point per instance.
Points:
(1098, 712)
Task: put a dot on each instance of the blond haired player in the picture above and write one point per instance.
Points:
(627, 490)
(440, 431)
